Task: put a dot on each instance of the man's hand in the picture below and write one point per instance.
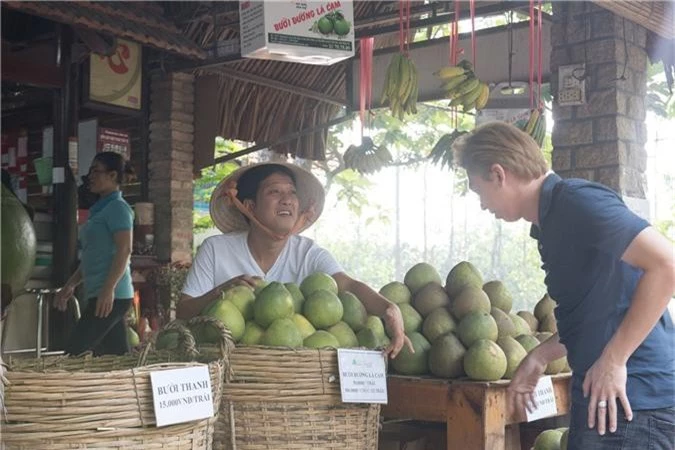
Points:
(241, 280)
(62, 296)
(605, 382)
(104, 303)
(394, 323)
(520, 393)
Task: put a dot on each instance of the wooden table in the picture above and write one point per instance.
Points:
(475, 413)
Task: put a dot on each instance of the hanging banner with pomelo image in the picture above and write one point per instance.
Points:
(314, 32)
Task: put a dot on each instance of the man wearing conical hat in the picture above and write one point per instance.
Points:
(260, 209)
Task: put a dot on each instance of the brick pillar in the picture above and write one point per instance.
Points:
(170, 164)
(602, 140)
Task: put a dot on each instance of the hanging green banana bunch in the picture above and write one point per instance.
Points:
(401, 86)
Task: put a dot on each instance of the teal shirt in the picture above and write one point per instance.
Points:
(107, 216)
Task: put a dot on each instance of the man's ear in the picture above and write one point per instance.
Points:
(249, 204)
(497, 171)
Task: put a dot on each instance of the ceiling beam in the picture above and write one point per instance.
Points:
(32, 73)
(481, 11)
(268, 82)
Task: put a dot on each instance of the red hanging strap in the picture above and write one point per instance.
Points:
(400, 26)
(455, 34)
(472, 11)
(366, 80)
(407, 36)
(532, 44)
(541, 63)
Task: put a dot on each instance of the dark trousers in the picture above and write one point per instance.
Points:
(103, 336)
(649, 430)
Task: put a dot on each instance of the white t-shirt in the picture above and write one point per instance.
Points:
(225, 256)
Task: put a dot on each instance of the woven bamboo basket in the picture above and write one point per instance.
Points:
(103, 402)
(289, 399)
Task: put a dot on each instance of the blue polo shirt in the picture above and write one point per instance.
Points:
(584, 229)
(107, 216)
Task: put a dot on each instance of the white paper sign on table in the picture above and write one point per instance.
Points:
(544, 398)
(181, 395)
(363, 376)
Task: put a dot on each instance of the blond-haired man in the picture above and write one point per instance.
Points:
(612, 276)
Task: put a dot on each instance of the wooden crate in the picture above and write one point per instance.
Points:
(475, 413)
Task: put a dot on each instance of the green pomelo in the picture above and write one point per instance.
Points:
(317, 281)
(556, 366)
(407, 363)
(438, 323)
(528, 342)
(273, 303)
(499, 296)
(476, 326)
(396, 292)
(344, 334)
(375, 324)
(543, 336)
(260, 284)
(521, 326)
(548, 440)
(323, 309)
(368, 339)
(446, 357)
(429, 298)
(514, 352)
(229, 315)
(412, 321)
(298, 298)
(461, 276)
(544, 307)
(305, 326)
(132, 337)
(243, 298)
(471, 299)
(19, 243)
(530, 319)
(504, 323)
(548, 324)
(321, 339)
(564, 438)
(282, 333)
(253, 334)
(354, 313)
(420, 275)
(485, 361)
(168, 340)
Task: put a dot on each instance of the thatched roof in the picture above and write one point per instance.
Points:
(141, 22)
(263, 101)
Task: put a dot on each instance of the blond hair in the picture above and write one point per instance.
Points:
(500, 143)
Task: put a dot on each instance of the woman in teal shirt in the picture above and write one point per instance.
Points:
(105, 241)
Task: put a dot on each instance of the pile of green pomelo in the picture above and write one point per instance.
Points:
(462, 329)
(555, 439)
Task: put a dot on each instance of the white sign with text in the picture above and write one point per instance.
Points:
(181, 395)
(363, 376)
(544, 398)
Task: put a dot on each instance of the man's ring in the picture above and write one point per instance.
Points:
(602, 404)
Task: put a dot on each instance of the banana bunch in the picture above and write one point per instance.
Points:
(367, 158)
(400, 86)
(535, 126)
(442, 151)
(463, 87)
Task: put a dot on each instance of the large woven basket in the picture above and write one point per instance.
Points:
(101, 403)
(288, 399)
